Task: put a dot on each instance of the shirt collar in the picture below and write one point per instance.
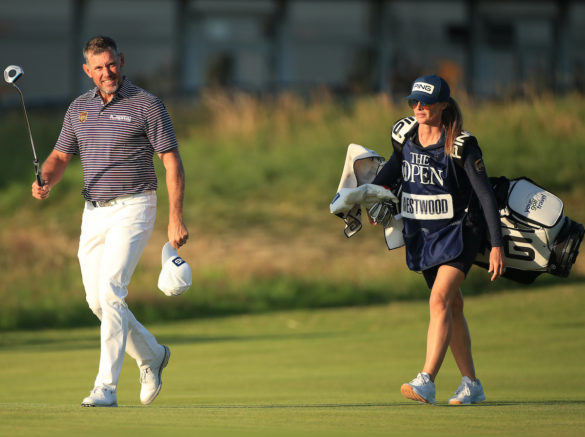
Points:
(124, 90)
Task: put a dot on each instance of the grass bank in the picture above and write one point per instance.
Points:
(261, 174)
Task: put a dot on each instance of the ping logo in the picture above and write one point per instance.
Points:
(424, 87)
(337, 196)
(178, 261)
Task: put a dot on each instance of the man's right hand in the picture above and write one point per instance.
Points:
(53, 169)
(40, 192)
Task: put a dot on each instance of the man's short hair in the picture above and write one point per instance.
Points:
(99, 44)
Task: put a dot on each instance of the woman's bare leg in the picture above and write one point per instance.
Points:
(461, 339)
(441, 324)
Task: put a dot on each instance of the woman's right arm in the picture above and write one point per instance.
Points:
(475, 170)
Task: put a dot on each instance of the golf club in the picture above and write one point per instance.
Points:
(11, 74)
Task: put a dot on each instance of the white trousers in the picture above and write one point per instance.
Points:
(111, 243)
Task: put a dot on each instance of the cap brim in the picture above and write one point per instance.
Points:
(168, 252)
(425, 99)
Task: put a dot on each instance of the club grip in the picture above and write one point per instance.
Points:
(40, 181)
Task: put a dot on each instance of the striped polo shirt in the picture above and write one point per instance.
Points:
(116, 141)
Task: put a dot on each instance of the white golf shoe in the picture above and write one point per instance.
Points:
(420, 389)
(150, 378)
(468, 392)
(101, 397)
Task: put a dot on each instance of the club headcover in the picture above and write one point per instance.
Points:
(175, 277)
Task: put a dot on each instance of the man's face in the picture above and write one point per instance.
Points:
(105, 69)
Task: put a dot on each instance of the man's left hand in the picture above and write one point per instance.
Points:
(178, 233)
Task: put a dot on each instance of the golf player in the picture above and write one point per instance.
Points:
(116, 128)
(446, 203)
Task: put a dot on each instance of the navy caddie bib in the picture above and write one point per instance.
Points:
(431, 206)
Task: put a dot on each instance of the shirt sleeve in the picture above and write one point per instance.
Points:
(67, 141)
(159, 128)
(477, 174)
(390, 173)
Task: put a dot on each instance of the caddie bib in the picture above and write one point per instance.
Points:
(431, 206)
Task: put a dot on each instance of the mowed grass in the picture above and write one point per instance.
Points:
(333, 372)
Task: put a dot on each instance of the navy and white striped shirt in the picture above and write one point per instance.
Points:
(116, 141)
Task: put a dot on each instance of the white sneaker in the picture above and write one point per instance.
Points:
(468, 392)
(420, 389)
(150, 378)
(101, 397)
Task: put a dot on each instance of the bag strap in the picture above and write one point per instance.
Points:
(401, 130)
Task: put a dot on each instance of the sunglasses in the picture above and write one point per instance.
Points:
(413, 103)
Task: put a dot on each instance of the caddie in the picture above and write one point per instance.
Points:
(445, 203)
(116, 128)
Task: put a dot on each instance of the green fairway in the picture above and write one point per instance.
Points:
(326, 372)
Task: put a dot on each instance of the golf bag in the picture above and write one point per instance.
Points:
(537, 237)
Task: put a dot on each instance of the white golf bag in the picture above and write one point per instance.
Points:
(538, 238)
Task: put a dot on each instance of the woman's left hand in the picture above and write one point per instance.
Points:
(497, 266)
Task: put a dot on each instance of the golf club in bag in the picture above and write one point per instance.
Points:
(11, 74)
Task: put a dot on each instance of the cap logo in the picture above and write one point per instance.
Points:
(178, 261)
(424, 87)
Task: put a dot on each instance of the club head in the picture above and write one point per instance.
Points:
(12, 73)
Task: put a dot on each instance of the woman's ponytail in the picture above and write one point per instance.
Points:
(452, 121)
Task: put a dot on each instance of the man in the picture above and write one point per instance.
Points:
(116, 128)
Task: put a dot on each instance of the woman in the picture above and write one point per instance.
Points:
(446, 203)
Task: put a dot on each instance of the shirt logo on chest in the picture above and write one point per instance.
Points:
(82, 116)
(121, 118)
(419, 170)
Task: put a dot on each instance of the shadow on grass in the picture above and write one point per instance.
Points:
(532, 403)
(551, 402)
(329, 406)
(93, 341)
(287, 406)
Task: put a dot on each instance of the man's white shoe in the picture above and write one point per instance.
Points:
(420, 389)
(101, 397)
(468, 392)
(150, 378)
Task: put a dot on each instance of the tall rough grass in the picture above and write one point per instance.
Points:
(261, 173)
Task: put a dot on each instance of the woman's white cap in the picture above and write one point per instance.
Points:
(175, 276)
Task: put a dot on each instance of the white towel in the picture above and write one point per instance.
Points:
(360, 168)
